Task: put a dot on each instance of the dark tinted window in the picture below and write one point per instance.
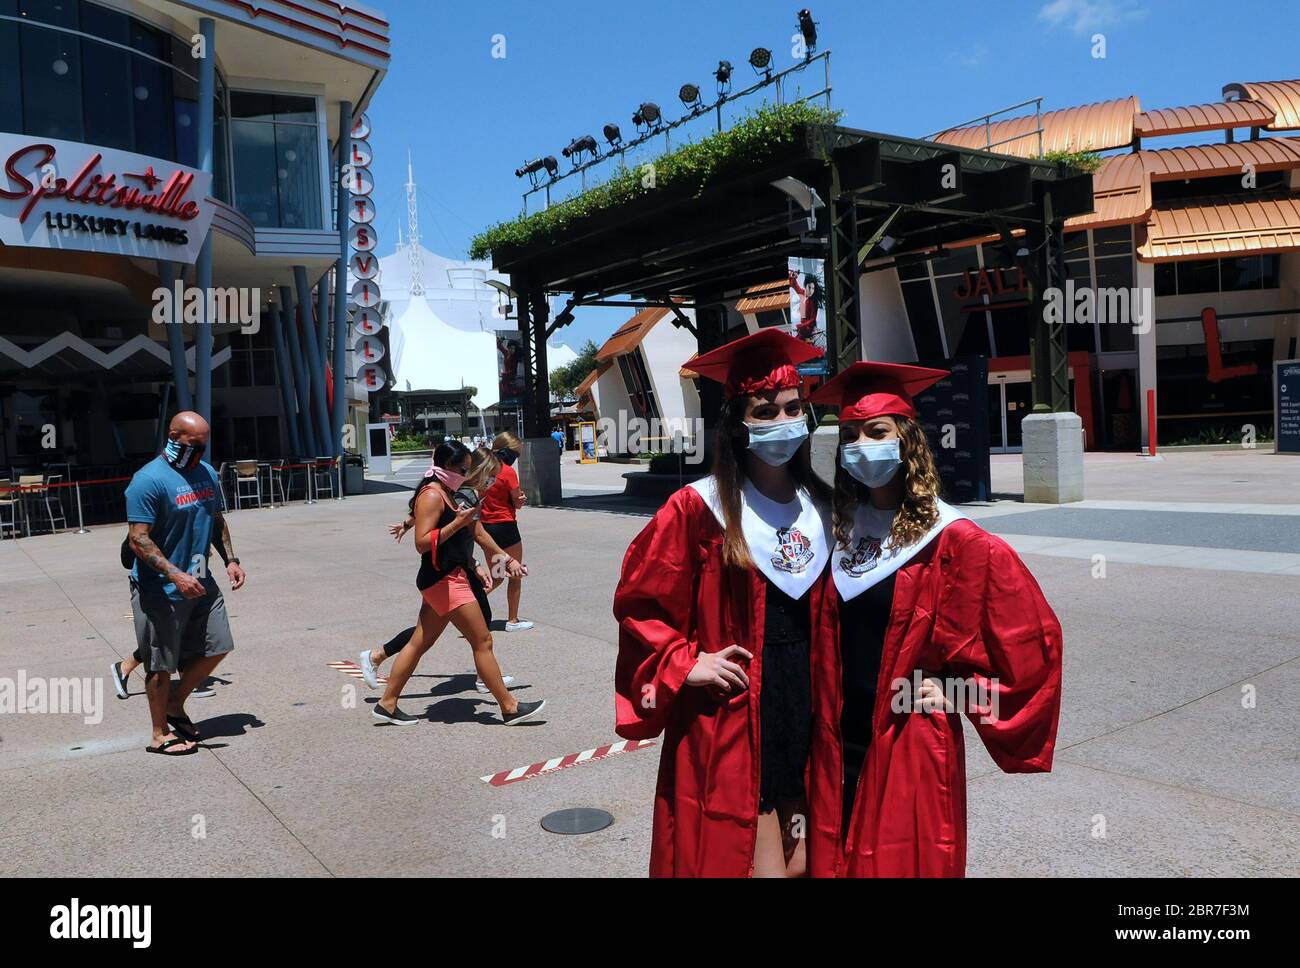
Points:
(1200, 275)
(919, 300)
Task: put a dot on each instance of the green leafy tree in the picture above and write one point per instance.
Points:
(565, 379)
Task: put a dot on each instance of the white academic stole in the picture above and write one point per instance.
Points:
(868, 560)
(787, 542)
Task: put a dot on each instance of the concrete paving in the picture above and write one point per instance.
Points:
(1176, 754)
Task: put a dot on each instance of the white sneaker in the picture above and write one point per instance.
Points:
(368, 670)
(521, 626)
(482, 687)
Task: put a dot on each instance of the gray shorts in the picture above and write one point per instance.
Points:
(170, 633)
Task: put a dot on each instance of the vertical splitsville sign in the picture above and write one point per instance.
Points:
(363, 266)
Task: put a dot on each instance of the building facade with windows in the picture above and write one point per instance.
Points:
(110, 196)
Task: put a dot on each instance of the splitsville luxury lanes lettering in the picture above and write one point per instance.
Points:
(101, 225)
(89, 187)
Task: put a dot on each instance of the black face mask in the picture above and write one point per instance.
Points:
(183, 456)
(506, 456)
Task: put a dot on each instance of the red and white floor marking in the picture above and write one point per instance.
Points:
(353, 670)
(564, 762)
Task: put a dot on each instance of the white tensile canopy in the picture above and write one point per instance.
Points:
(429, 354)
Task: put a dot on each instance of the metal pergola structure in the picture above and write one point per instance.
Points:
(696, 249)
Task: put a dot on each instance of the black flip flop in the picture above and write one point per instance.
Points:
(166, 746)
(184, 726)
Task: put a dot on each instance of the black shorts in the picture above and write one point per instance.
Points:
(504, 533)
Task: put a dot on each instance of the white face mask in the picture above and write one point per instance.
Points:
(775, 443)
(874, 462)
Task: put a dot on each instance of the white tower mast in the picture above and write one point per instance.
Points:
(413, 232)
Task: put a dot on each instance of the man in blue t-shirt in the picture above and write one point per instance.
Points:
(174, 512)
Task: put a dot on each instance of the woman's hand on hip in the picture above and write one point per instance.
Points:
(717, 670)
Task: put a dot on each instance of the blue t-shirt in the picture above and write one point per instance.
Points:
(179, 507)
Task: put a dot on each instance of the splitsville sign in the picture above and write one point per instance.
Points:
(65, 195)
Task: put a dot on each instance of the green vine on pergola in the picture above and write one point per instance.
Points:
(690, 167)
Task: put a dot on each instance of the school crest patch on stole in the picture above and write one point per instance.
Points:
(865, 556)
(795, 551)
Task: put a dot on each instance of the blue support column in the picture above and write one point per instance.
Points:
(340, 315)
(308, 435)
(284, 369)
(206, 118)
(167, 276)
(313, 359)
(324, 315)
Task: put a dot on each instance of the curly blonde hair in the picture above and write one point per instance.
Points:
(918, 512)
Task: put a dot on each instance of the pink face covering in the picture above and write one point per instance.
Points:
(449, 478)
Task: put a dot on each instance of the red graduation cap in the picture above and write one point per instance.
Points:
(867, 390)
(758, 363)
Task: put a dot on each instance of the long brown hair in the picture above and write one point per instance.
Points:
(729, 472)
(918, 512)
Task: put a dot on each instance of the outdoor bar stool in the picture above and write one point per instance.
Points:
(54, 503)
(31, 487)
(323, 479)
(247, 483)
(10, 508)
(221, 482)
(274, 471)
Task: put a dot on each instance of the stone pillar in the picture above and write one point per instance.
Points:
(1053, 458)
(539, 471)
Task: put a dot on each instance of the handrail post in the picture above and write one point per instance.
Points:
(81, 525)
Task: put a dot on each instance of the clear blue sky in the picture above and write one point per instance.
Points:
(906, 68)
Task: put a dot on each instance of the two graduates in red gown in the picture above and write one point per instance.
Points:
(808, 651)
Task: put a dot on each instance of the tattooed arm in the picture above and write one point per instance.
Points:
(226, 549)
(152, 557)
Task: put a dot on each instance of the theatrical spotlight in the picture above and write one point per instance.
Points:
(808, 28)
(760, 58)
(647, 115)
(613, 135)
(723, 77)
(690, 96)
(530, 168)
(575, 148)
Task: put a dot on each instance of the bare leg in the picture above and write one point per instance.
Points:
(157, 688)
(514, 585)
(427, 629)
(769, 851)
(468, 620)
(794, 836)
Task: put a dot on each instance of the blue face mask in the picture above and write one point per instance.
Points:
(182, 456)
(775, 443)
(874, 462)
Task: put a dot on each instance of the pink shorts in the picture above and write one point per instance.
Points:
(450, 593)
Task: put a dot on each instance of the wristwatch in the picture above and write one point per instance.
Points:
(232, 561)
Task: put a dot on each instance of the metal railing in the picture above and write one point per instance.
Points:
(987, 121)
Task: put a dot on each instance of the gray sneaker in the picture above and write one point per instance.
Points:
(526, 710)
(396, 717)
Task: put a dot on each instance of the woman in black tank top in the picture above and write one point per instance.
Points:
(445, 507)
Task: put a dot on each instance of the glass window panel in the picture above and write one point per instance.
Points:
(149, 41)
(150, 96)
(1112, 241)
(11, 88)
(51, 83)
(185, 112)
(1166, 279)
(252, 106)
(1199, 275)
(105, 88)
(1270, 272)
(298, 176)
(105, 23)
(913, 270)
(61, 12)
(294, 108)
(255, 172)
(1242, 273)
(1076, 245)
(220, 162)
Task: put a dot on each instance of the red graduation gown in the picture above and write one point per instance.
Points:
(675, 599)
(966, 606)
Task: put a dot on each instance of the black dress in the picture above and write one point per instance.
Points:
(785, 699)
(863, 622)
